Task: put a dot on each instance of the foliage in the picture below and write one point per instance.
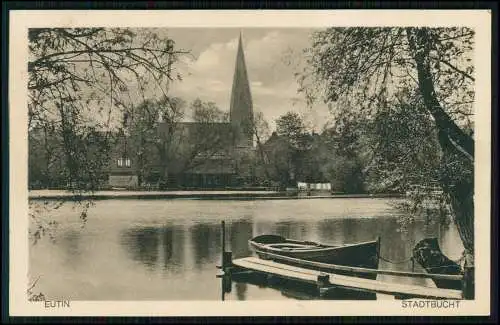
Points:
(45, 159)
(292, 154)
(261, 127)
(363, 72)
(149, 146)
(80, 82)
(312, 159)
(208, 112)
(41, 221)
(32, 296)
(361, 68)
(79, 78)
(404, 148)
(278, 153)
(345, 174)
(259, 161)
(210, 134)
(291, 126)
(166, 145)
(53, 165)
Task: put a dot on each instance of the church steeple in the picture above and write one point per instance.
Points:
(241, 108)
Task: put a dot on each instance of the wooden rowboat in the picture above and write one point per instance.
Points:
(362, 255)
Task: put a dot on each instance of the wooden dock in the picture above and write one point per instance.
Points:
(330, 281)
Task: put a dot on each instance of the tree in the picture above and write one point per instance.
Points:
(313, 159)
(362, 70)
(184, 146)
(345, 175)
(45, 157)
(151, 147)
(278, 153)
(260, 128)
(210, 135)
(291, 126)
(308, 151)
(208, 112)
(340, 159)
(163, 141)
(404, 148)
(80, 81)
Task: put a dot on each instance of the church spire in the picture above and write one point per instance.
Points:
(241, 108)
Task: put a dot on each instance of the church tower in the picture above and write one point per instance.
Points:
(241, 108)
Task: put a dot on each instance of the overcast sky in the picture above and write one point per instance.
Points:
(272, 57)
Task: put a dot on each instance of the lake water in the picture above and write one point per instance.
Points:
(169, 249)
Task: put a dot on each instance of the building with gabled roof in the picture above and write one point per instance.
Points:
(207, 155)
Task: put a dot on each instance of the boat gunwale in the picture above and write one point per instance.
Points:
(325, 247)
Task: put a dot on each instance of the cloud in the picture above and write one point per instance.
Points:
(273, 86)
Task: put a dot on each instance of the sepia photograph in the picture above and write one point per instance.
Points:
(211, 163)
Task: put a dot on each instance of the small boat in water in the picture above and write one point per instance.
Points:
(361, 255)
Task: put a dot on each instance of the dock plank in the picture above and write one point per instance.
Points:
(349, 282)
(360, 270)
(253, 264)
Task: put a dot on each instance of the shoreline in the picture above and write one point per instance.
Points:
(202, 195)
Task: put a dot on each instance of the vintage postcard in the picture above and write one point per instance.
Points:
(249, 163)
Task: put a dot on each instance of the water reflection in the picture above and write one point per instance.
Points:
(165, 246)
(70, 243)
(296, 290)
(296, 229)
(154, 247)
(150, 258)
(240, 232)
(241, 290)
(173, 247)
(206, 240)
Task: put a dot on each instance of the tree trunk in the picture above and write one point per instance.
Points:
(462, 203)
(453, 141)
(458, 149)
(420, 45)
(163, 174)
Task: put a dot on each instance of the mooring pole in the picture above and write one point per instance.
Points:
(226, 256)
(223, 276)
(378, 248)
(223, 246)
(468, 278)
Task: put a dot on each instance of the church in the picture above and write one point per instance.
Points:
(224, 149)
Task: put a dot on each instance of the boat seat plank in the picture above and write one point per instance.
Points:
(311, 276)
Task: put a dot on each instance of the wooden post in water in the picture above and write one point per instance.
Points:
(227, 284)
(223, 245)
(468, 279)
(322, 282)
(378, 249)
(223, 238)
(226, 263)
